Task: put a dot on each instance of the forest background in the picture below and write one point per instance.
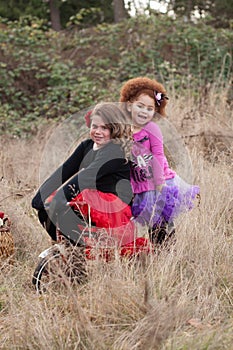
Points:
(50, 74)
(58, 58)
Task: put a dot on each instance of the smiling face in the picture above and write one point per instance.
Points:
(142, 110)
(99, 132)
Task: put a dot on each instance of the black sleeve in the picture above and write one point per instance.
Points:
(61, 175)
(107, 161)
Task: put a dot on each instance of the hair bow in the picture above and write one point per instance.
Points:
(88, 119)
(159, 97)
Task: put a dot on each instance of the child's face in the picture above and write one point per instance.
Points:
(99, 132)
(142, 110)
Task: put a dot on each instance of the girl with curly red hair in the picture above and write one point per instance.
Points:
(160, 195)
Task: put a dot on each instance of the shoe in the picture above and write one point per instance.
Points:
(160, 235)
(157, 234)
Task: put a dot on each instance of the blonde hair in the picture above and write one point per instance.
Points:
(118, 122)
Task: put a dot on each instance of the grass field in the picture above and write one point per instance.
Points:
(181, 299)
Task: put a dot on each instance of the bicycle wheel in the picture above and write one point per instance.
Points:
(43, 275)
(60, 269)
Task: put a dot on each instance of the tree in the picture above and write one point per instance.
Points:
(54, 15)
(58, 12)
(119, 10)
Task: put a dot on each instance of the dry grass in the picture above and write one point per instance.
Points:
(181, 299)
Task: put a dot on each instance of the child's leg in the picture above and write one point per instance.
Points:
(159, 234)
(47, 223)
(60, 212)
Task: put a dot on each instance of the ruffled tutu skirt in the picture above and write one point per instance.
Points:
(156, 208)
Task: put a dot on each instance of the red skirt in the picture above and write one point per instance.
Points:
(106, 210)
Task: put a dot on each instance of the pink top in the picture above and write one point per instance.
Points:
(149, 166)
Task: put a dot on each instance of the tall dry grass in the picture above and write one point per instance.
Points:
(179, 299)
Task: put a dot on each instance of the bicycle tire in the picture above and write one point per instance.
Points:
(41, 269)
(60, 270)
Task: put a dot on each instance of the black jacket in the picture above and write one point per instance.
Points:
(105, 169)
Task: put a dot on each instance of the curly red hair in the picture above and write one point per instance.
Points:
(135, 87)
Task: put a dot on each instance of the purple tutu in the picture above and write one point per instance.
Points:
(154, 208)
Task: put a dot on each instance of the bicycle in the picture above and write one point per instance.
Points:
(65, 263)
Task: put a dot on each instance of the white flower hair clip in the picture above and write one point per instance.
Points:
(159, 97)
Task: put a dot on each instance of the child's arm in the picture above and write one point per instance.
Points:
(156, 145)
(60, 176)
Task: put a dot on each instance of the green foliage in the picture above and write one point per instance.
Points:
(219, 12)
(86, 18)
(48, 75)
(14, 9)
(83, 13)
